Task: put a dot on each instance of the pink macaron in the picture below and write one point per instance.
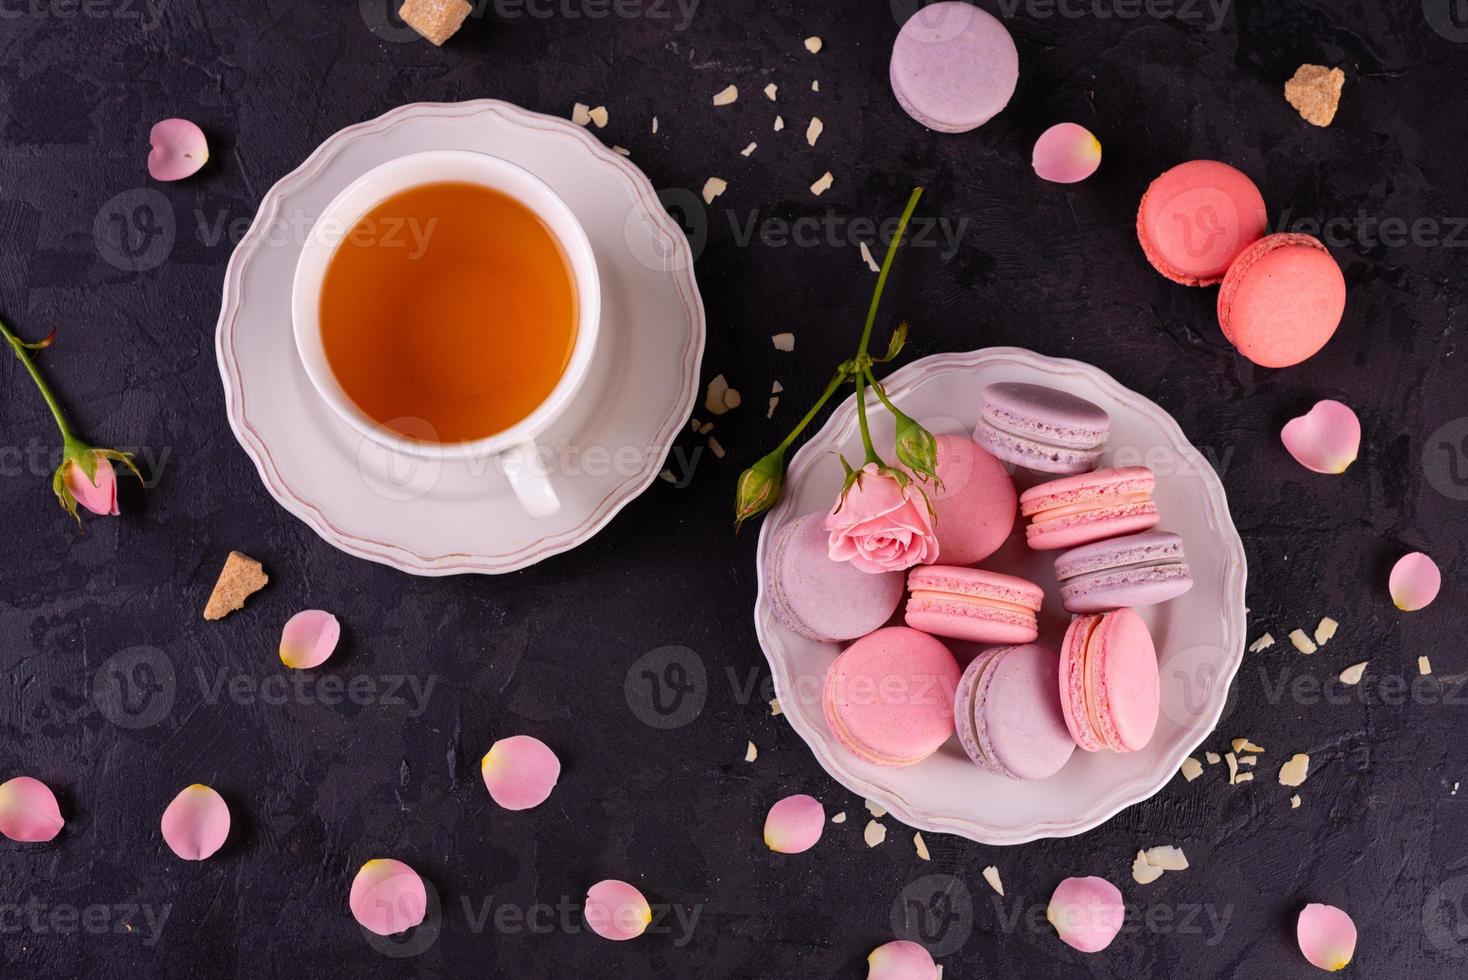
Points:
(1080, 509)
(1282, 299)
(954, 66)
(1110, 693)
(821, 599)
(1008, 715)
(1196, 218)
(974, 502)
(973, 604)
(888, 698)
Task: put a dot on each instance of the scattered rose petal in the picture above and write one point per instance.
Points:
(727, 96)
(1263, 643)
(823, 184)
(922, 847)
(617, 911)
(991, 875)
(1325, 439)
(520, 772)
(1351, 676)
(901, 960)
(179, 150)
(839, 818)
(1326, 631)
(1145, 872)
(309, 638)
(874, 833)
(771, 91)
(1293, 773)
(196, 823)
(713, 187)
(1424, 666)
(751, 753)
(1414, 582)
(1302, 642)
(814, 130)
(1315, 92)
(814, 45)
(28, 811)
(1327, 936)
(783, 342)
(1087, 913)
(794, 824)
(1191, 769)
(599, 116)
(1066, 153)
(779, 123)
(388, 897)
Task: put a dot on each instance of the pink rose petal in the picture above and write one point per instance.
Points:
(309, 638)
(28, 811)
(794, 824)
(520, 772)
(901, 960)
(1415, 582)
(1327, 936)
(179, 150)
(1087, 913)
(196, 823)
(1066, 153)
(388, 897)
(617, 911)
(882, 525)
(1326, 439)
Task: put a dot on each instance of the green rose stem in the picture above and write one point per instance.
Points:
(74, 451)
(760, 485)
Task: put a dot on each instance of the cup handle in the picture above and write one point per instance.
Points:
(529, 480)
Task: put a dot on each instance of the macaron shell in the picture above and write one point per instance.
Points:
(1073, 683)
(1129, 692)
(1104, 504)
(1048, 414)
(1018, 715)
(1033, 455)
(1196, 218)
(889, 697)
(954, 66)
(821, 599)
(975, 506)
(964, 717)
(973, 604)
(1125, 588)
(1282, 300)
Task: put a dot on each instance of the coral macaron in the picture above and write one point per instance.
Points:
(1041, 428)
(1110, 692)
(973, 604)
(1196, 218)
(1133, 570)
(974, 502)
(888, 698)
(1008, 713)
(821, 599)
(1077, 510)
(1282, 300)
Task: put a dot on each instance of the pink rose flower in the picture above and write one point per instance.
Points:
(97, 495)
(882, 525)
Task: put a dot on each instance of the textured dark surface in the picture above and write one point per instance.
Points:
(318, 788)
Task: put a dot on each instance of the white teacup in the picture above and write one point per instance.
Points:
(514, 448)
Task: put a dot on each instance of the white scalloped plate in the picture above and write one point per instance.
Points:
(442, 517)
(1199, 636)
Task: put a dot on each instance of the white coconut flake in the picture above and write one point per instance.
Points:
(1145, 872)
(824, 184)
(1351, 676)
(814, 130)
(732, 399)
(1295, 802)
(1233, 768)
(1302, 642)
(1167, 857)
(1248, 760)
(776, 388)
(622, 150)
(771, 91)
(839, 818)
(668, 475)
(1326, 630)
(774, 401)
(1424, 666)
(874, 834)
(783, 342)
(1244, 745)
(714, 397)
(751, 753)
(779, 123)
(922, 848)
(580, 114)
(1294, 772)
(1191, 769)
(815, 85)
(715, 448)
(814, 45)
(1244, 777)
(600, 116)
(876, 809)
(991, 875)
(866, 256)
(748, 149)
(654, 125)
(713, 187)
(775, 709)
(1213, 758)
(1263, 643)
(728, 96)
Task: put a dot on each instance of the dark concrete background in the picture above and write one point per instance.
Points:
(112, 611)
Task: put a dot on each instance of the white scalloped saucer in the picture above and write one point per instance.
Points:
(1199, 636)
(440, 516)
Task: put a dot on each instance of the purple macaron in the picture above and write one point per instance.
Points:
(1135, 570)
(821, 599)
(1008, 713)
(954, 66)
(1040, 428)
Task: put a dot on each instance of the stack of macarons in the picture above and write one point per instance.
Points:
(1282, 296)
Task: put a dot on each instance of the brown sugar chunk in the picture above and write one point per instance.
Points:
(241, 578)
(437, 20)
(1315, 92)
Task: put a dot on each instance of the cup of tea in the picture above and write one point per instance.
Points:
(446, 305)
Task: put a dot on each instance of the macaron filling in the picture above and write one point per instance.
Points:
(1079, 700)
